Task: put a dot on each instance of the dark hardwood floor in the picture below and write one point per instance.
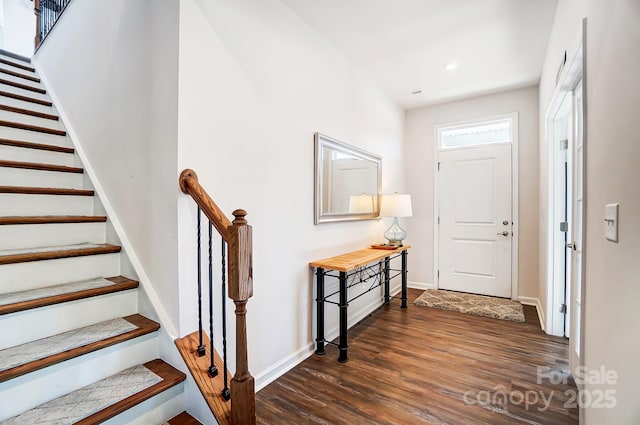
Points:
(428, 366)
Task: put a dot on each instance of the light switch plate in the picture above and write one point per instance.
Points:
(611, 222)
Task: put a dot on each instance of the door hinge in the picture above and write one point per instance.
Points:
(564, 226)
(438, 165)
(438, 274)
(564, 144)
(563, 309)
(438, 220)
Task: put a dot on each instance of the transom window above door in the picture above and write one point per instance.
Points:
(477, 133)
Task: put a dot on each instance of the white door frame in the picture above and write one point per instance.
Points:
(514, 194)
(569, 78)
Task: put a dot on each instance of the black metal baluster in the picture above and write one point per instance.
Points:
(213, 370)
(201, 349)
(226, 392)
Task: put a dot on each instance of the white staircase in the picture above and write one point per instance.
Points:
(73, 348)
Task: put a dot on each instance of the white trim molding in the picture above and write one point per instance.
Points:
(420, 285)
(538, 305)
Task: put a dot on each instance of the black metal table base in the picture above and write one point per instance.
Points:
(384, 269)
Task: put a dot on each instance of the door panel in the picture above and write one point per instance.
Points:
(475, 202)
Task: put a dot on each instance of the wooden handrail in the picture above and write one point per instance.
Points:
(190, 185)
(238, 235)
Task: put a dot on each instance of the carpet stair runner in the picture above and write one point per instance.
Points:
(74, 350)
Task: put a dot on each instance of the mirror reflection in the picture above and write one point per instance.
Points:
(347, 181)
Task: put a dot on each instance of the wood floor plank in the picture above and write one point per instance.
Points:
(41, 167)
(52, 219)
(17, 65)
(418, 366)
(19, 75)
(29, 127)
(25, 98)
(28, 190)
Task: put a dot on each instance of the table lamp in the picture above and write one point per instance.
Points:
(396, 205)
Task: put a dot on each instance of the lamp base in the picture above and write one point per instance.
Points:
(395, 234)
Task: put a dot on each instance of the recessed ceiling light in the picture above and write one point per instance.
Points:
(451, 66)
(416, 91)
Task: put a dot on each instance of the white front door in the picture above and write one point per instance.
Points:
(475, 204)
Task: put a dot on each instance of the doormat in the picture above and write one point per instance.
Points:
(479, 305)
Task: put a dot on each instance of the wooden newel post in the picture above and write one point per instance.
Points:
(36, 10)
(243, 397)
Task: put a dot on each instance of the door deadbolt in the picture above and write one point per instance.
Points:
(505, 222)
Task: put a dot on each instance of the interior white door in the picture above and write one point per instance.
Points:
(576, 229)
(475, 204)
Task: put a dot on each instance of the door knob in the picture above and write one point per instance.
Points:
(505, 233)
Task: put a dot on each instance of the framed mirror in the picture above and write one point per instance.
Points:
(348, 182)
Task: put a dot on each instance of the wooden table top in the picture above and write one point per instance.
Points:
(351, 260)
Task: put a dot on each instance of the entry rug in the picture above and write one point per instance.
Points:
(479, 305)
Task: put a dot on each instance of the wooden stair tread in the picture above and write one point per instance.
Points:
(25, 98)
(40, 146)
(69, 345)
(41, 167)
(29, 127)
(169, 377)
(56, 252)
(22, 86)
(23, 111)
(210, 388)
(58, 294)
(52, 219)
(19, 75)
(183, 419)
(28, 190)
(17, 65)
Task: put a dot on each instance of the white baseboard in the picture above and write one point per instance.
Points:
(264, 378)
(269, 375)
(420, 285)
(535, 302)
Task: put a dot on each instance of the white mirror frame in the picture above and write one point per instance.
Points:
(321, 141)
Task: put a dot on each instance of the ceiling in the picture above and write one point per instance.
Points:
(405, 45)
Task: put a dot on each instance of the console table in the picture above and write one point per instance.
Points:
(355, 268)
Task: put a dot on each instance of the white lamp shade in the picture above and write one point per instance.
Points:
(396, 205)
(361, 204)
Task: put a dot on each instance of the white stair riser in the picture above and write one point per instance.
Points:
(13, 153)
(21, 236)
(30, 325)
(24, 92)
(12, 204)
(33, 136)
(29, 391)
(38, 274)
(27, 105)
(156, 410)
(30, 119)
(40, 178)
(20, 80)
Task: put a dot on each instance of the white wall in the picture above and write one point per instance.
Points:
(116, 85)
(419, 154)
(612, 152)
(19, 28)
(255, 84)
